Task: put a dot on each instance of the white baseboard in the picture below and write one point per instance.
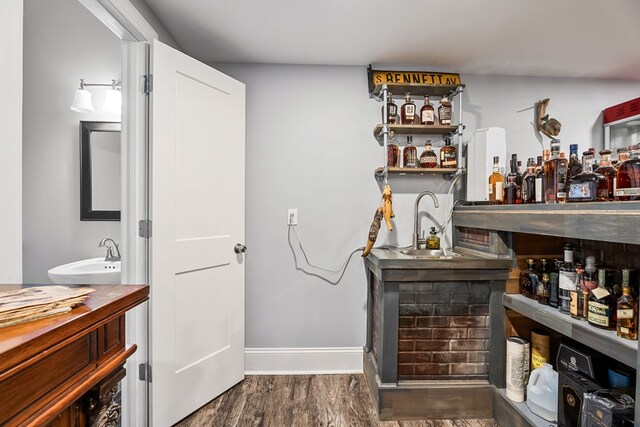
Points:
(298, 361)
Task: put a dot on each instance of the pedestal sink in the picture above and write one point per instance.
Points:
(93, 271)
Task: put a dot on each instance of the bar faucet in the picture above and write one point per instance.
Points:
(110, 257)
(416, 225)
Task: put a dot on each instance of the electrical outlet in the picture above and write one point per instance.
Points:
(292, 217)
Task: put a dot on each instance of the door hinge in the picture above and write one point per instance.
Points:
(144, 372)
(144, 228)
(148, 83)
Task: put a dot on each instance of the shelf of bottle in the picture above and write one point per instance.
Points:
(603, 221)
(523, 409)
(416, 89)
(414, 130)
(606, 342)
(416, 171)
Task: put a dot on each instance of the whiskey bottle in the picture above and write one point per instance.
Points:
(392, 110)
(408, 111)
(410, 154)
(529, 182)
(609, 173)
(540, 176)
(543, 288)
(554, 278)
(628, 179)
(584, 186)
(589, 277)
(428, 158)
(529, 280)
(627, 311)
(427, 113)
(496, 183)
(566, 281)
(393, 151)
(574, 167)
(602, 305)
(520, 176)
(448, 157)
(512, 191)
(445, 111)
(555, 171)
(577, 302)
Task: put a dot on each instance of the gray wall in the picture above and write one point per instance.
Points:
(309, 146)
(62, 43)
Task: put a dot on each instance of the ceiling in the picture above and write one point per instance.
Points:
(567, 38)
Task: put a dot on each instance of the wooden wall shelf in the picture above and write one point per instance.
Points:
(418, 89)
(379, 172)
(414, 130)
(605, 221)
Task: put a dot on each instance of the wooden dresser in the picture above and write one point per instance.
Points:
(63, 370)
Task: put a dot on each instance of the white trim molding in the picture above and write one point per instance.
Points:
(121, 17)
(298, 361)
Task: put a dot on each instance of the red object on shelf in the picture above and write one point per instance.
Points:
(622, 111)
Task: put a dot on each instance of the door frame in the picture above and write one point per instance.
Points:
(126, 22)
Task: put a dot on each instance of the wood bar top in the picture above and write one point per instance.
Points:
(26, 340)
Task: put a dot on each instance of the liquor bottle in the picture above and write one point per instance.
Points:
(393, 151)
(542, 291)
(513, 167)
(555, 171)
(627, 311)
(566, 281)
(628, 182)
(554, 278)
(577, 303)
(408, 111)
(574, 167)
(427, 113)
(586, 186)
(433, 242)
(392, 110)
(496, 183)
(540, 176)
(602, 306)
(410, 154)
(445, 111)
(448, 157)
(512, 191)
(609, 173)
(529, 182)
(428, 158)
(529, 280)
(589, 277)
(520, 176)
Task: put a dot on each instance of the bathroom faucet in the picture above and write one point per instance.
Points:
(416, 225)
(104, 243)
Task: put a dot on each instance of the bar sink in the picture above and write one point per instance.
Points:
(427, 253)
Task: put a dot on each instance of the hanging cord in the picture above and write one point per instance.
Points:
(304, 253)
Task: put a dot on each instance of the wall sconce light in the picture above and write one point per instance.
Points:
(112, 101)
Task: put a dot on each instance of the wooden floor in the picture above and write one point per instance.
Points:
(303, 401)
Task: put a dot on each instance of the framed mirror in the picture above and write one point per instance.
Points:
(100, 186)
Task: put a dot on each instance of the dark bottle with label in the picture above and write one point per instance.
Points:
(428, 158)
(628, 180)
(577, 302)
(410, 154)
(392, 110)
(408, 111)
(427, 113)
(627, 311)
(448, 157)
(445, 111)
(609, 173)
(574, 167)
(586, 186)
(602, 305)
(529, 280)
(543, 289)
(555, 173)
(540, 176)
(566, 281)
(529, 183)
(393, 152)
(554, 279)
(520, 176)
(512, 191)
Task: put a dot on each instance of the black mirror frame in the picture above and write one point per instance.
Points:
(86, 199)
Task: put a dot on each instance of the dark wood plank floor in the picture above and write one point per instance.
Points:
(303, 401)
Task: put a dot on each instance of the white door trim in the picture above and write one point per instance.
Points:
(121, 17)
(307, 360)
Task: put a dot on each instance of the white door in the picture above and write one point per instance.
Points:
(197, 212)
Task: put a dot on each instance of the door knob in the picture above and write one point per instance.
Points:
(239, 248)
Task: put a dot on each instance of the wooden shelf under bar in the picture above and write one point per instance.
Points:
(416, 171)
(522, 409)
(417, 89)
(606, 342)
(604, 221)
(414, 130)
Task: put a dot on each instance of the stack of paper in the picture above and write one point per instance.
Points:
(27, 304)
